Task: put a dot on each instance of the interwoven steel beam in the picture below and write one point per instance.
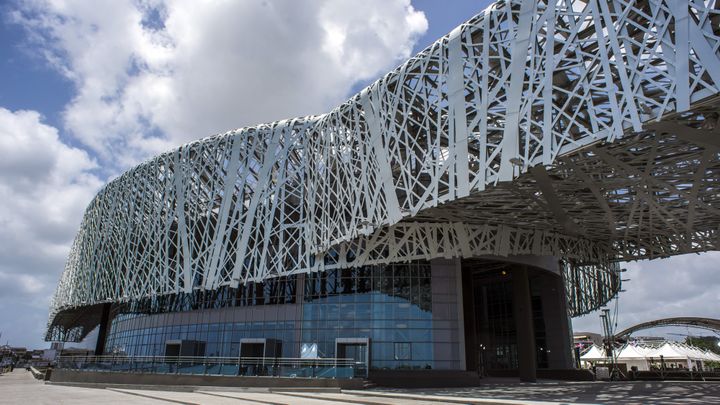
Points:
(582, 129)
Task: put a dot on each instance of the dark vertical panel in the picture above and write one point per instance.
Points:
(471, 340)
(103, 329)
(524, 324)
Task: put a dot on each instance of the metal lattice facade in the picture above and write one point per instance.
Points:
(582, 129)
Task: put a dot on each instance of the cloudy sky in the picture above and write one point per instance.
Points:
(89, 89)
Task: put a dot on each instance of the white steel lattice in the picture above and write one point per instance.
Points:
(582, 129)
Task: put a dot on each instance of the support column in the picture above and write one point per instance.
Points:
(102, 329)
(299, 313)
(469, 320)
(447, 345)
(460, 313)
(522, 304)
(557, 323)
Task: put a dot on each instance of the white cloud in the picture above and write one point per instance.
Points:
(45, 186)
(151, 75)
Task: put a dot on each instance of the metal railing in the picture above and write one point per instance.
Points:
(227, 366)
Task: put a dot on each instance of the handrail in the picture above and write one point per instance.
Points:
(209, 359)
(209, 365)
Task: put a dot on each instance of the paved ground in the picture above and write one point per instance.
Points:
(20, 387)
(640, 392)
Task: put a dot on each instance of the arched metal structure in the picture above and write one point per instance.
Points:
(583, 129)
(703, 323)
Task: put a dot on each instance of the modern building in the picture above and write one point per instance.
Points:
(583, 340)
(451, 216)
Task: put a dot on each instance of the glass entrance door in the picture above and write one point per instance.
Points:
(358, 351)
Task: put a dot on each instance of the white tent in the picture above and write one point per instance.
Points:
(692, 350)
(712, 356)
(675, 354)
(632, 355)
(593, 354)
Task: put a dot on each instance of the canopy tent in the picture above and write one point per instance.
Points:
(595, 353)
(673, 354)
(634, 356)
(712, 355)
(634, 352)
(677, 354)
(674, 351)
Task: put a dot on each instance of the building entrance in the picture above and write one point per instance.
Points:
(357, 349)
(260, 348)
(184, 348)
(515, 319)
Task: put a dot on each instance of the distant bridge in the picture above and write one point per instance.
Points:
(704, 323)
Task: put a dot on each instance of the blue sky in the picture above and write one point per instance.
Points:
(26, 81)
(87, 91)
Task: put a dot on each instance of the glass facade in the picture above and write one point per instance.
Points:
(275, 291)
(221, 339)
(407, 312)
(389, 304)
(402, 316)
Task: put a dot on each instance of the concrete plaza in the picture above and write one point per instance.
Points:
(19, 387)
